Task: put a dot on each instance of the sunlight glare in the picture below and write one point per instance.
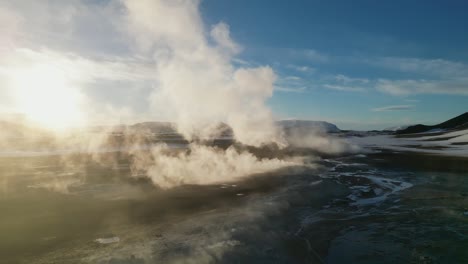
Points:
(46, 96)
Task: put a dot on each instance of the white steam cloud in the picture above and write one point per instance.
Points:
(202, 165)
(196, 83)
(321, 142)
(170, 65)
(198, 86)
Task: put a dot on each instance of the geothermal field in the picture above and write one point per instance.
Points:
(233, 131)
(161, 199)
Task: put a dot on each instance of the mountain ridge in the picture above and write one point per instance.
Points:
(458, 122)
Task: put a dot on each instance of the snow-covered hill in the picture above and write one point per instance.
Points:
(396, 128)
(453, 143)
(458, 122)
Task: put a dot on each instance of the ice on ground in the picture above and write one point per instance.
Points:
(449, 134)
(386, 188)
(436, 130)
(462, 138)
(315, 183)
(108, 240)
(367, 186)
(227, 243)
(440, 144)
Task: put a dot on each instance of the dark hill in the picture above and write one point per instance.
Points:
(458, 122)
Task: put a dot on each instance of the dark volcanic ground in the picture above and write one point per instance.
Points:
(377, 208)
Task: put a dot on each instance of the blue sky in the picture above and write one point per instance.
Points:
(359, 64)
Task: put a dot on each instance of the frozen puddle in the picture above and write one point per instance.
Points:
(385, 187)
(366, 188)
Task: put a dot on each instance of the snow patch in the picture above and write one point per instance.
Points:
(108, 240)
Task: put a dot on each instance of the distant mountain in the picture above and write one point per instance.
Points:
(459, 122)
(396, 128)
(308, 125)
(156, 127)
(167, 127)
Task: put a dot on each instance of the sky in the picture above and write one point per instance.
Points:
(357, 64)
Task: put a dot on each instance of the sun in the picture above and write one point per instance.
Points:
(46, 95)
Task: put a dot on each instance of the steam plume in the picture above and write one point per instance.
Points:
(203, 165)
(196, 83)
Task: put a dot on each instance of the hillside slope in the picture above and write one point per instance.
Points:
(459, 122)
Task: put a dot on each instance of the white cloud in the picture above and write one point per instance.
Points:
(10, 22)
(291, 84)
(305, 69)
(413, 75)
(292, 78)
(86, 69)
(349, 80)
(344, 88)
(301, 89)
(301, 68)
(433, 67)
(310, 55)
(85, 27)
(441, 76)
(393, 108)
(315, 56)
(431, 76)
(407, 87)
